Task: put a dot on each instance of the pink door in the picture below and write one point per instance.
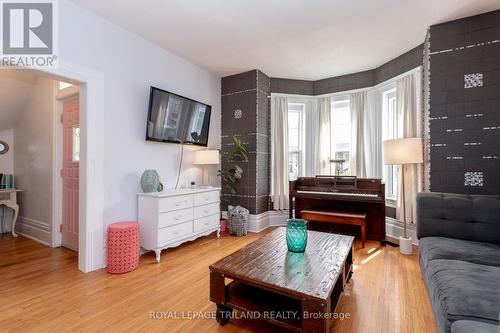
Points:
(70, 171)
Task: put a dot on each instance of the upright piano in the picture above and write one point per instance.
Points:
(342, 193)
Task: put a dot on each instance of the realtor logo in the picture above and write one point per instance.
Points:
(27, 28)
(28, 33)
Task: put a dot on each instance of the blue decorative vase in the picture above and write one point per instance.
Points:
(296, 235)
(150, 181)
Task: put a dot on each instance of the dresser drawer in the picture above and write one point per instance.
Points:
(174, 232)
(175, 217)
(206, 210)
(206, 198)
(206, 222)
(174, 203)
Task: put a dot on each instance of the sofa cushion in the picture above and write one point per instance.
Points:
(463, 290)
(468, 326)
(470, 217)
(432, 248)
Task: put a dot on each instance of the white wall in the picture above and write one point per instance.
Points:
(130, 65)
(7, 159)
(33, 161)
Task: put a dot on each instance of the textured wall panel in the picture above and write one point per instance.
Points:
(464, 105)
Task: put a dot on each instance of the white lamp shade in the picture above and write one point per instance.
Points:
(206, 157)
(403, 151)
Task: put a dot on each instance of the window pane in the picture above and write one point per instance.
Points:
(295, 139)
(64, 85)
(341, 132)
(76, 144)
(390, 130)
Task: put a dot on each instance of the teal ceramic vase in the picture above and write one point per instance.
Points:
(150, 181)
(296, 235)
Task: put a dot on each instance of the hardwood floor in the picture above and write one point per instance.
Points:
(42, 290)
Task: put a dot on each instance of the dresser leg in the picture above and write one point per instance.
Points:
(158, 252)
(218, 232)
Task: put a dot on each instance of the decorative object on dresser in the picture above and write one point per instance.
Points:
(150, 181)
(8, 198)
(345, 194)
(403, 152)
(266, 277)
(206, 157)
(172, 217)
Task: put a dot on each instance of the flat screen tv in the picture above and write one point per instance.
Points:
(177, 119)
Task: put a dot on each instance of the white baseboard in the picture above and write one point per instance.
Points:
(259, 222)
(394, 229)
(276, 218)
(34, 229)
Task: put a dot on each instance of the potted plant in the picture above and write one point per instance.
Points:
(233, 172)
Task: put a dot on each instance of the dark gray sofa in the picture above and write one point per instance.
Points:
(459, 247)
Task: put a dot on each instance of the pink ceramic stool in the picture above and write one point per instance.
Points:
(124, 242)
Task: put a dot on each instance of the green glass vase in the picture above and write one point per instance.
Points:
(296, 235)
(150, 181)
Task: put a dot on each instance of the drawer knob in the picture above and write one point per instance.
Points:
(206, 210)
(207, 198)
(176, 232)
(177, 204)
(178, 217)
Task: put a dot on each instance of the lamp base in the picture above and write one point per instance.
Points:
(405, 246)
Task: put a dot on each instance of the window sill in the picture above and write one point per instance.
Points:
(391, 203)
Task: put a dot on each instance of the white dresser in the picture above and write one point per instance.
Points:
(172, 217)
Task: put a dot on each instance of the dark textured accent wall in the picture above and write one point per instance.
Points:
(245, 114)
(370, 78)
(289, 86)
(464, 105)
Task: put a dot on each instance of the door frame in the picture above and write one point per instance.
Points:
(91, 212)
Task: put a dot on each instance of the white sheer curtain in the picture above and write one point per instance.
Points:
(358, 105)
(312, 137)
(325, 136)
(279, 152)
(373, 135)
(408, 92)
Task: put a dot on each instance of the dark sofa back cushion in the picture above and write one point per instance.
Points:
(462, 216)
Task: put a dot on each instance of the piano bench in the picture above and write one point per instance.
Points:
(337, 217)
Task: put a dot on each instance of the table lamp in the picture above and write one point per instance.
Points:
(401, 152)
(206, 157)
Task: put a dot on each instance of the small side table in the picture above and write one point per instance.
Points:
(8, 198)
(124, 247)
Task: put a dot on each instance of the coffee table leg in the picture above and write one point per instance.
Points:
(315, 317)
(218, 296)
(223, 314)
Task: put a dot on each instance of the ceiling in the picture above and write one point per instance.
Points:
(301, 39)
(15, 89)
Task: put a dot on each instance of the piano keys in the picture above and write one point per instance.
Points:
(342, 193)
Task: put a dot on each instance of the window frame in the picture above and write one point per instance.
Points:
(390, 130)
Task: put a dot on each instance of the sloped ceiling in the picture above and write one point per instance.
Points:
(15, 89)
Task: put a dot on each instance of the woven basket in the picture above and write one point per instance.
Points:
(238, 220)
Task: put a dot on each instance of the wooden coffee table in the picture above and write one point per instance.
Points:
(298, 291)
